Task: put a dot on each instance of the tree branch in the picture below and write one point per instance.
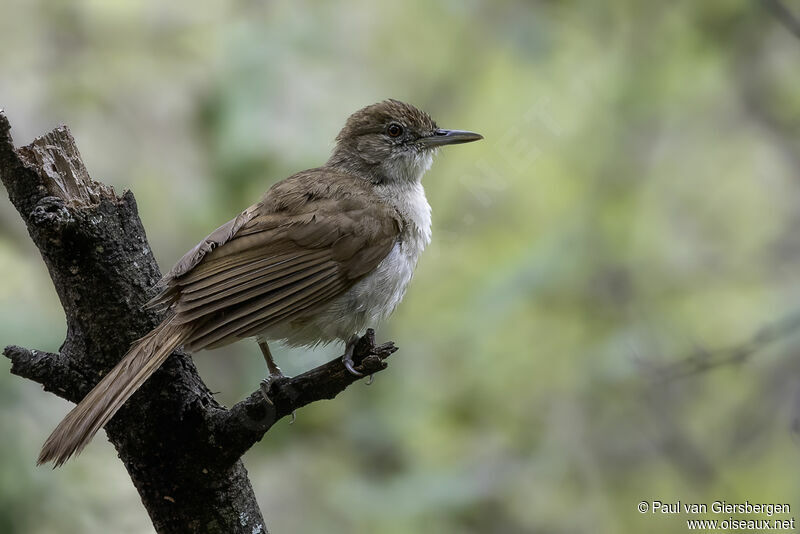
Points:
(238, 429)
(702, 360)
(56, 372)
(180, 447)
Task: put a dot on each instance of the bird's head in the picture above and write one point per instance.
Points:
(392, 141)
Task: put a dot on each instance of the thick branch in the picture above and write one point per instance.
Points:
(96, 252)
(181, 448)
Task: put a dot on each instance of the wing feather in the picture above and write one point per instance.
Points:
(263, 309)
(312, 237)
(277, 265)
(188, 310)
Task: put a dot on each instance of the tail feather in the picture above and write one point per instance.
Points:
(80, 425)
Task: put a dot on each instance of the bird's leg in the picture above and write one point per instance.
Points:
(347, 357)
(274, 373)
(274, 370)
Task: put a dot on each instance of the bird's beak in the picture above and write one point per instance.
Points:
(449, 137)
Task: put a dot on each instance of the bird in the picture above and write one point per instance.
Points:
(325, 254)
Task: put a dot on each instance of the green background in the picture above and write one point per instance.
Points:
(635, 203)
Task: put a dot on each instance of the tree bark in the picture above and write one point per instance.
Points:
(181, 448)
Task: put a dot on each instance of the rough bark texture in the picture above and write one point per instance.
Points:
(181, 448)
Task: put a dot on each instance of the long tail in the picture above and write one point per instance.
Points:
(93, 412)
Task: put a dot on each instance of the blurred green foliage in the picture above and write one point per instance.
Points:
(636, 200)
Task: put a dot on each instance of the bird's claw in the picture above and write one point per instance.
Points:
(264, 387)
(349, 365)
(347, 357)
(267, 383)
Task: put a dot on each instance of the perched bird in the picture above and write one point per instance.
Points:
(325, 254)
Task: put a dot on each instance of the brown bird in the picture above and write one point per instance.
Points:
(326, 253)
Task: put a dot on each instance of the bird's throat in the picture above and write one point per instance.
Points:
(408, 168)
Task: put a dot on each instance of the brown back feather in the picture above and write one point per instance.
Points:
(312, 237)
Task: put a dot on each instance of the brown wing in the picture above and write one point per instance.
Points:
(312, 237)
(168, 289)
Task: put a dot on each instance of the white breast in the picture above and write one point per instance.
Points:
(374, 297)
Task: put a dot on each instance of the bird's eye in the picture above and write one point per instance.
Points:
(394, 130)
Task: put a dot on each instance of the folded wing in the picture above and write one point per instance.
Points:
(311, 238)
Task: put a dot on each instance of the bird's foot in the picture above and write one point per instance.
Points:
(267, 383)
(347, 357)
(370, 357)
(264, 386)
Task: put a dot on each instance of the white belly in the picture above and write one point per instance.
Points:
(370, 301)
(373, 298)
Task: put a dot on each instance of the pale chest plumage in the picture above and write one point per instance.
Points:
(377, 295)
(373, 298)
